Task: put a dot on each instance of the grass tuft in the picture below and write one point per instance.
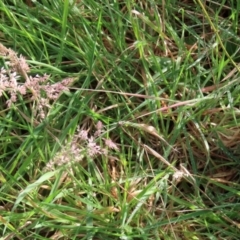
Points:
(119, 120)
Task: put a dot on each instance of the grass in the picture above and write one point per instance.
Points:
(163, 79)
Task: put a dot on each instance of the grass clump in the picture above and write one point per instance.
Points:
(119, 120)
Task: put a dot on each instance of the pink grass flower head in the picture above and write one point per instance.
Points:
(109, 143)
(82, 134)
(99, 129)
(92, 148)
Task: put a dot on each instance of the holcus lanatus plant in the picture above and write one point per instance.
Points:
(15, 79)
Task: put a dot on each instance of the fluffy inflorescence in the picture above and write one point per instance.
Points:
(38, 87)
(82, 145)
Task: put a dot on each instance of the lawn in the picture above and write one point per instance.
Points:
(119, 120)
